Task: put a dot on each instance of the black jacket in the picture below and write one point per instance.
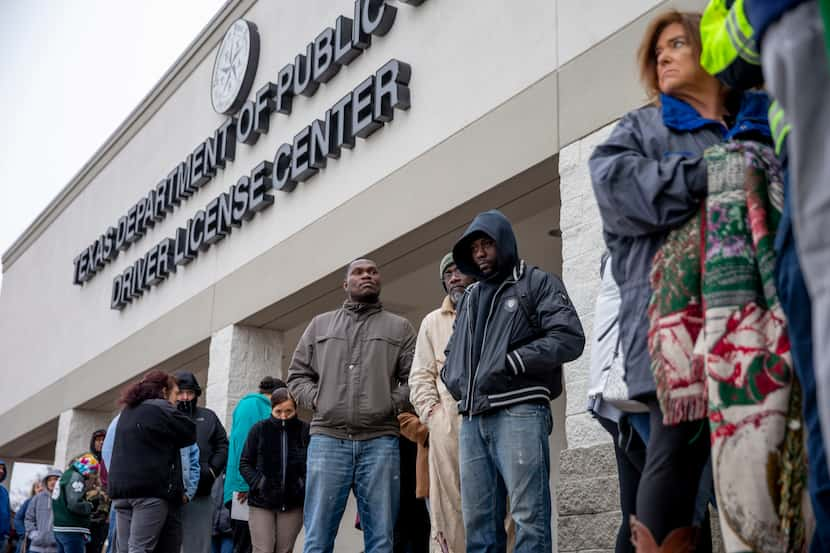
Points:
(519, 361)
(211, 436)
(146, 461)
(213, 448)
(273, 463)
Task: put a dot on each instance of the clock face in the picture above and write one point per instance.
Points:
(235, 67)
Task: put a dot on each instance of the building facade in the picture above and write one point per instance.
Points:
(216, 221)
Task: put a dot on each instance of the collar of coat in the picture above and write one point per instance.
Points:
(447, 306)
(361, 308)
(751, 118)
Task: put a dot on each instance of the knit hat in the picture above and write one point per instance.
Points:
(269, 384)
(446, 261)
(86, 464)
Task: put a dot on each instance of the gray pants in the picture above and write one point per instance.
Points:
(197, 525)
(139, 523)
(274, 531)
(797, 72)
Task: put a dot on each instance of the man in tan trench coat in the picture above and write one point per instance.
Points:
(436, 409)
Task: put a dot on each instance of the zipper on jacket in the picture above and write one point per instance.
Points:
(469, 360)
(483, 342)
(284, 438)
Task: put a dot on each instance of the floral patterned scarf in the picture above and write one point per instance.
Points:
(719, 346)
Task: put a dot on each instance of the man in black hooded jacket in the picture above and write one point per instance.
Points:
(514, 329)
(197, 516)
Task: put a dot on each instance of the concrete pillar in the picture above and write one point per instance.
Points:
(240, 356)
(582, 247)
(75, 428)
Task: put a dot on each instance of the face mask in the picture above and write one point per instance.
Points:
(187, 406)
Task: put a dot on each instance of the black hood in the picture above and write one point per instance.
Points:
(187, 381)
(95, 434)
(495, 225)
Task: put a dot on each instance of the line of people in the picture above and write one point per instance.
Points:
(177, 483)
(715, 392)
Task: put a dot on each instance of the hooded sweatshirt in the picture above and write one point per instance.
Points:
(38, 519)
(494, 225)
(250, 410)
(211, 436)
(102, 507)
(514, 328)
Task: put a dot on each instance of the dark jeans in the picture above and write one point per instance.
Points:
(334, 468)
(505, 453)
(70, 542)
(222, 544)
(797, 306)
(630, 452)
(675, 459)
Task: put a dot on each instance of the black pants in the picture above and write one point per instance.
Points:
(97, 536)
(675, 457)
(412, 528)
(170, 539)
(630, 452)
(241, 536)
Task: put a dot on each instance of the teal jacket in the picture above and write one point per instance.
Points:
(250, 410)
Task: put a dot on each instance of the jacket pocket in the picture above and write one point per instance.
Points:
(378, 378)
(495, 373)
(331, 354)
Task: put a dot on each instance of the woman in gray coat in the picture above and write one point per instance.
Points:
(649, 177)
(39, 517)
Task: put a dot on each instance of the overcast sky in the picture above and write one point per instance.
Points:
(70, 73)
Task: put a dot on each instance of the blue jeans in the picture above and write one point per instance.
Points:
(372, 468)
(505, 453)
(70, 542)
(222, 544)
(797, 306)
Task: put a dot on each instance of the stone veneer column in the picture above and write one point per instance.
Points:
(582, 247)
(587, 495)
(240, 356)
(75, 428)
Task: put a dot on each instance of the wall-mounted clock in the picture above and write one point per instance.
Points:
(235, 67)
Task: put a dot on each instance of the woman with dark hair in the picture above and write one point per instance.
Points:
(273, 463)
(145, 472)
(649, 177)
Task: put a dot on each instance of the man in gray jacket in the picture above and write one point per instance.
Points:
(39, 517)
(350, 368)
